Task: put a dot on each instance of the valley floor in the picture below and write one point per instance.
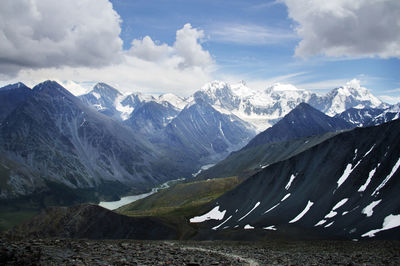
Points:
(134, 252)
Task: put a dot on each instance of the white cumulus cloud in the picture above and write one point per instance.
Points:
(186, 52)
(148, 50)
(353, 28)
(47, 33)
(187, 46)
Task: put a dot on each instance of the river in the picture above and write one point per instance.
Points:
(112, 205)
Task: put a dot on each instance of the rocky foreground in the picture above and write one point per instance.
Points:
(132, 252)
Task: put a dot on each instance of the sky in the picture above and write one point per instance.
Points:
(160, 46)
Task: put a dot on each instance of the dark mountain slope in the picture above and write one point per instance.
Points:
(92, 222)
(302, 121)
(55, 134)
(151, 117)
(347, 187)
(205, 135)
(247, 162)
(281, 141)
(11, 96)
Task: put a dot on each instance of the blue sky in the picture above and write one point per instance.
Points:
(313, 45)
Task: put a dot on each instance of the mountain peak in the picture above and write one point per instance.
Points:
(350, 95)
(13, 86)
(213, 86)
(51, 87)
(105, 90)
(305, 107)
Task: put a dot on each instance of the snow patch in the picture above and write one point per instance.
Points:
(96, 95)
(270, 209)
(389, 222)
(214, 214)
(340, 204)
(326, 226)
(292, 177)
(369, 209)
(285, 197)
(371, 174)
(394, 169)
(331, 214)
(271, 227)
(345, 175)
(320, 223)
(247, 227)
(301, 214)
(218, 226)
(373, 146)
(255, 206)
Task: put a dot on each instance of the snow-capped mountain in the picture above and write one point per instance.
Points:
(302, 121)
(102, 97)
(344, 187)
(111, 102)
(260, 108)
(370, 116)
(350, 95)
(263, 108)
(172, 99)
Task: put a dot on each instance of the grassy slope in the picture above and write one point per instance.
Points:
(182, 199)
(175, 205)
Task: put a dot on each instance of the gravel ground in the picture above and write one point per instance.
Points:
(132, 252)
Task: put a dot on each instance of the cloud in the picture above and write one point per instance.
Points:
(389, 99)
(186, 52)
(393, 90)
(352, 28)
(250, 34)
(47, 33)
(146, 49)
(147, 66)
(79, 41)
(187, 46)
(133, 75)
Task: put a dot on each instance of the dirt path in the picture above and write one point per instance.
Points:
(247, 261)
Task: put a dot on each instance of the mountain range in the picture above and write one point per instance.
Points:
(142, 140)
(309, 161)
(51, 136)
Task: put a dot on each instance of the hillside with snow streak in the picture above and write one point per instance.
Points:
(345, 187)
